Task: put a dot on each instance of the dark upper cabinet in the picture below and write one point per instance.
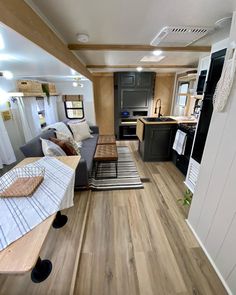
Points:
(127, 79)
(144, 80)
(133, 93)
(135, 79)
(134, 98)
(133, 90)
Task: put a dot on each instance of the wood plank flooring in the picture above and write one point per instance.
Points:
(61, 247)
(136, 243)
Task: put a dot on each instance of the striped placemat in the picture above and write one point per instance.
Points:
(20, 215)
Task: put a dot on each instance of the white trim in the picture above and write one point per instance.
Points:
(210, 259)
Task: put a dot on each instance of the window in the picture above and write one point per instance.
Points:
(74, 109)
(41, 111)
(183, 94)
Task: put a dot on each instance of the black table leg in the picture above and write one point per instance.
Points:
(60, 220)
(116, 169)
(96, 168)
(41, 271)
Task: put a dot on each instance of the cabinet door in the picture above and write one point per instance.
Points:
(160, 142)
(144, 80)
(127, 79)
(134, 98)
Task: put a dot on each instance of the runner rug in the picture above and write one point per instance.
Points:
(128, 177)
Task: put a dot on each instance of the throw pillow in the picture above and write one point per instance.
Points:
(80, 131)
(80, 121)
(51, 149)
(65, 145)
(75, 145)
(61, 127)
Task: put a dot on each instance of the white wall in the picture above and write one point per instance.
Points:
(213, 211)
(13, 126)
(86, 91)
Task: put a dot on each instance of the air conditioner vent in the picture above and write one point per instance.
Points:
(180, 35)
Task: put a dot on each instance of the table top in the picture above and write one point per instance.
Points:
(106, 152)
(21, 256)
(106, 139)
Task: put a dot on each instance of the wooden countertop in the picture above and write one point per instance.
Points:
(177, 120)
(21, 256)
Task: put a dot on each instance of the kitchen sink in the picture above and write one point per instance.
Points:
(156, 119)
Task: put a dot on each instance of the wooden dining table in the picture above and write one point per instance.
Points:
(23, 255)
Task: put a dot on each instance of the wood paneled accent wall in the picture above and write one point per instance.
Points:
(104, 103)
(164, 87)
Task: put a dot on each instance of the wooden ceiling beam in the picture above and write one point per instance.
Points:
(19, 16)
(122, 47)
(143, 66)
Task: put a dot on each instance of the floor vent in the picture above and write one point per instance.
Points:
(145, 180)
(180, 35)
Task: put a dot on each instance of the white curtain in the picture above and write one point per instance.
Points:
(7, 155)
(28, 113)
(50, 107)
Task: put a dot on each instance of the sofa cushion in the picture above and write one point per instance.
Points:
(80, 131)
(76, 145)
(65, 146)
(51, 149)
(33, 148)
(61, 127)
(88, 149)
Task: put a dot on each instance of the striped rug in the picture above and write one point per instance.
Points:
(128, 177)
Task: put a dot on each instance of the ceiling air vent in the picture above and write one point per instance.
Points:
(180, 35)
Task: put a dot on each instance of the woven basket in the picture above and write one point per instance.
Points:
(49, 87)
(21, 182)
(29, 86)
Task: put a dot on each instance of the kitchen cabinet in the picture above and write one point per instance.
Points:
(135, 79)
(134, 93)
(157, 142)
(127, 79)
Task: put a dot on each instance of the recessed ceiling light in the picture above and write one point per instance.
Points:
(75, 84)
(2, 45)
(157, 52)
(7, 75)
(139, 69)
(152, 58)
(83, 38)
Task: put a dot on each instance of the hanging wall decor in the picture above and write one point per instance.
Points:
(225, 83)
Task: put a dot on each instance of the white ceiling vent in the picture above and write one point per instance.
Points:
(180, 35)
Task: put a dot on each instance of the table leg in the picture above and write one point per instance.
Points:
(41, 271)
(96, 169)
(116, 169)
(60, 220)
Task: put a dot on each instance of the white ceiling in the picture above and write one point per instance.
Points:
(26, 60)
(131, 22)
(134, 57)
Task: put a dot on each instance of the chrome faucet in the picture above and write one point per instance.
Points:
(159, 111)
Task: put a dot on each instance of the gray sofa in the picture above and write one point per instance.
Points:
(33, 149)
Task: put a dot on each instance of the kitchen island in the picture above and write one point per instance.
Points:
(156, 136)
